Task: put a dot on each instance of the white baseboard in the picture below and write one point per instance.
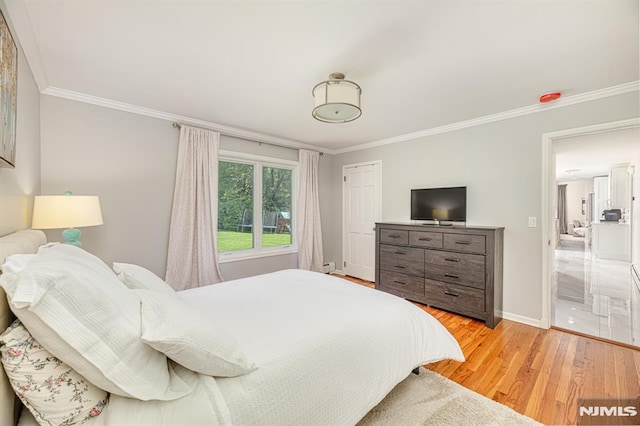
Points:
(505, 315)
(522, 319)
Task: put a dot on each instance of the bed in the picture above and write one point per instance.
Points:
(292, 347)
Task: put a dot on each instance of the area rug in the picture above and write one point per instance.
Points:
(430, 399)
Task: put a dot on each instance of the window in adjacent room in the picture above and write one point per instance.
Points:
(255, 206)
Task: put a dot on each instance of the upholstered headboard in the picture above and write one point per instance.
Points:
(20, 242)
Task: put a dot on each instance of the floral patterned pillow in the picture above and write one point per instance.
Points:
(53, 392)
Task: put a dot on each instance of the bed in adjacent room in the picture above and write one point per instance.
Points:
(290, 347)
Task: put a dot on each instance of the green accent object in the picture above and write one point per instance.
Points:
(72, 236)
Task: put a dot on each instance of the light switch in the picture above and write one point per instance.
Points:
(532, 222)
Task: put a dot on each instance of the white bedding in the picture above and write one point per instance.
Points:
(327, 352)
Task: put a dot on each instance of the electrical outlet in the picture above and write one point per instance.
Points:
(532, 222)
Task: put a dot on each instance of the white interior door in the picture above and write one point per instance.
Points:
(362, 209)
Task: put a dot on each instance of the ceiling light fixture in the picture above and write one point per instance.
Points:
(336, 100)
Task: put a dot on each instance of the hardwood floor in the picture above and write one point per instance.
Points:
(539, 373)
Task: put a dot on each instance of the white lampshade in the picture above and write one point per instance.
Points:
(66, 211)
(336, 100)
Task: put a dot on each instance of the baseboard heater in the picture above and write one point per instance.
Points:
(329, 267)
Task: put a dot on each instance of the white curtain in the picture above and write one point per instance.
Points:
(562, 208)
(192, 259)
(309, 229)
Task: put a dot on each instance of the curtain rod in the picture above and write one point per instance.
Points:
(177, 125)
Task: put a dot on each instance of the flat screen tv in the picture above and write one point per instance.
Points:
(439, 204)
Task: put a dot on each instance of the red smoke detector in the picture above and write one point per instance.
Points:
(548, 97)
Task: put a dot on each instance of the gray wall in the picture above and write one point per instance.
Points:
(635, 211)
(501, 164)
(19, 185)
(129, 161)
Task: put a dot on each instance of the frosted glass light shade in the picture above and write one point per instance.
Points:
(66, 211)
(336, 100)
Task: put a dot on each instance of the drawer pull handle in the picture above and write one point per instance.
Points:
(452, 259)
(425, 239)
(451, 275)
(400, 252)
(399, 282)
(399, 266)
(394, 236)
(450, 293)
(466, 243)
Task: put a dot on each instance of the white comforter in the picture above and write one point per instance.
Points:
(327, 352)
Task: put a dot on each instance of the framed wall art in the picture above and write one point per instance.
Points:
(8, 95)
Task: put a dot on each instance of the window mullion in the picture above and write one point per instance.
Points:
(257, 206)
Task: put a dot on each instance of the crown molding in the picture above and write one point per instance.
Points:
(226, 130)
(633, 86)
(23, 36)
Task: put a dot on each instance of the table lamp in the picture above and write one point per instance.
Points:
(66, 211)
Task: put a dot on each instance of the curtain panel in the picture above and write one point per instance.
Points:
(192, 259)
(310, 255)
(562, 208)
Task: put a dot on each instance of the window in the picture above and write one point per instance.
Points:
(255, 206)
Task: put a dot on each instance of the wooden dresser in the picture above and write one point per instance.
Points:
(456, 268)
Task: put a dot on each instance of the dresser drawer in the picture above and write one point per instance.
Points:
(468, 276)
(394, 236)
(408, 285)
(465, 243)
(405, 260)
(456, 298)
(425, 239)
(457, 261)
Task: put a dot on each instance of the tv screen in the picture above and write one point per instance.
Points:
(442, 204)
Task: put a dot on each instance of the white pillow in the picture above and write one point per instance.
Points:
(137, 277)
(76, 307)
(190, 336)
(52, 391)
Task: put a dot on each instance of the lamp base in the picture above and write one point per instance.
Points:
(72, 236)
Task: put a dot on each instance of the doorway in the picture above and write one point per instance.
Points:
(362, 201)
(586, 287)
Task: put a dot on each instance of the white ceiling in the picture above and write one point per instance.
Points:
(251, 65)
(595, 154)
